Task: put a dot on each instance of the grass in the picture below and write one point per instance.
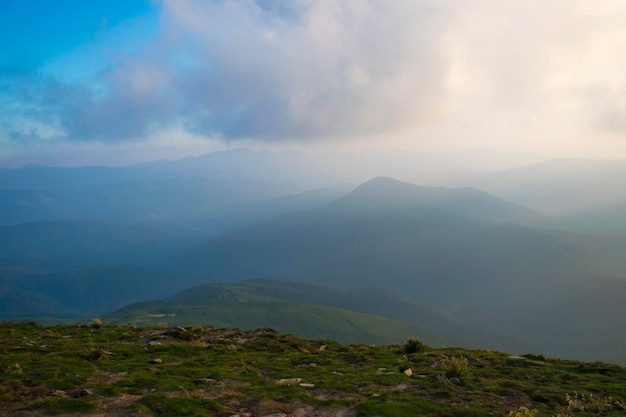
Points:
(203, 371)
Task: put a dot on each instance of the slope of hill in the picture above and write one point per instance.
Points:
(199, 305)
(202, 371)
(304, 320)
(159, 199)
(97, 241)
(32, 290)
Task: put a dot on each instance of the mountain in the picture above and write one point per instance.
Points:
(385, 194)
(80, 268)
(34, 290)
(156, 200)
(557, 187)
(359, 238)
(96, 241)
(237, 215)
(434, 245)
(608, 219)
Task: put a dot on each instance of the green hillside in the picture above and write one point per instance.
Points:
(304, 320)
(445, 321)
(95, 370)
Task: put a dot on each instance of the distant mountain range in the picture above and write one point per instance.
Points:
(473, 269)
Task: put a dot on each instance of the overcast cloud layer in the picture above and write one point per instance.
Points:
(441, 75)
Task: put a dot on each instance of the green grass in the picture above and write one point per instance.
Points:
(55, 406)
(160, 372)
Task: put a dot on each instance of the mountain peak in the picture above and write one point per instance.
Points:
(385, 194)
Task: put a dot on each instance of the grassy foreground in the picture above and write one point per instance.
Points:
(202, 371)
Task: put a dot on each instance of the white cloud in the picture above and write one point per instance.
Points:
(438, 74)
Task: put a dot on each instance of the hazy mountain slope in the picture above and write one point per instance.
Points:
(239, 215)
(304, 320)
(28, 292)
(609, 219)
(141, 200)
(500, 274)
(98, 241)
(557, 187)
(360, 241)
(385, 194)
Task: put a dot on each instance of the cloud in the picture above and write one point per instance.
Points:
(240, 70)
(474, 72)
(320, 68)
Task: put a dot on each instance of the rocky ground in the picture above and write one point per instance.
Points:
(95, 370)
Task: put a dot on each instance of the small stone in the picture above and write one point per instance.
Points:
(289, 381)
(205, 381)
(441, 378)
(275, 415)
(305, 385)
(157, 360)
(322, 348)
(408, 372)
(455, 381)
(81, 393)
(520, 358)
(59, 393)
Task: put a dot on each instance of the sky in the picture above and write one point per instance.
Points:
(121, 81)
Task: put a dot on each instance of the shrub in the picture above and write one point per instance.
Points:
(523, 412)
(456, 366)
(414, 345)
(589, 403)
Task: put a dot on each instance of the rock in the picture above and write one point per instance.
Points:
(305, 385)
(408, 372)
(59, 393)
(403, 387)
(275, 415)
(289, 381)
(205, 381)
(455, 381)
(82, 392)
(521, 358)
(322, 348)
(179, 333)
(157, 360)
(441, 378)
